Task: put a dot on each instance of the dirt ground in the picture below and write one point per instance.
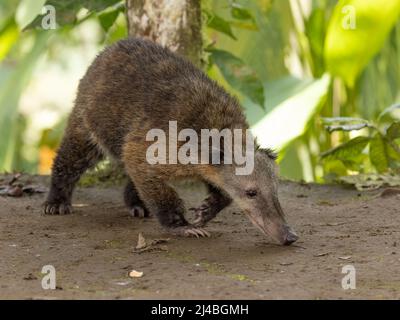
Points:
(93, 249)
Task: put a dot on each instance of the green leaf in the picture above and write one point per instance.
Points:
(108, 17)
(97, 5)
(378, 153)
(347, 127)
(348, 50)
(393, 132)
(347, 150)
(244, 25)
(355, 163)
(393, 154)
(346, 124)
(118, 31)
(343, 120)
(52, 137)
(8, 37)
(28, 10)
(240, 13)
(389, 110)
(66, 11)
(371, 181)
(239, 75)
(221, 25)
(10, 92)
(315, 30)
(284, 88)
(289, 119)
(290, 164)
(334, 168)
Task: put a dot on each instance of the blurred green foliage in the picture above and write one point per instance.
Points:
(314, 77)
(318, 60)
(384, 151)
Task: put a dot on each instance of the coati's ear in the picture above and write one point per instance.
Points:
(270, 153)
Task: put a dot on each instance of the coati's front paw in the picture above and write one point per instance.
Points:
(202, 215)
(139, 212)
(199, 218)
(189, 231)
(51, 208)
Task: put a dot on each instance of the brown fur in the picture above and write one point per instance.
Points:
(134, 86)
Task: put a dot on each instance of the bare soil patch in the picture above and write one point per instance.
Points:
(93, 249)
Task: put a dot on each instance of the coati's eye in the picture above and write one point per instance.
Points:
(251, 193)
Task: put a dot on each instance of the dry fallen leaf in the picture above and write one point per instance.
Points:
(31, 189)
(322, 254)
(11, 191)
(371, 181)
(153, 246)
(286, 263)
(30, 277)
(14, 178)
(135, 274)
(159, 241)
(14, 189)
(152, 249)
(15, 192)
(334, 224)
(141, 244)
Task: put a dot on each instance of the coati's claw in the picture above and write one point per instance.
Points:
(138, 211)
(190, 231)
(204, 233)
(64, 209)
(55, 208)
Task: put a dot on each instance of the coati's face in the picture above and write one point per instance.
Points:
(256, 194)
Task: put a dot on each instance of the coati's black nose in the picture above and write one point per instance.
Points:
(291, 237)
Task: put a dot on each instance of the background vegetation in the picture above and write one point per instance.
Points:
(314, 85)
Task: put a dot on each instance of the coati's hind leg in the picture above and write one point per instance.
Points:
(214, 203)
(76, 154)
(133, 202)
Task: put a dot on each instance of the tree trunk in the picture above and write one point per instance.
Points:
(175, 24)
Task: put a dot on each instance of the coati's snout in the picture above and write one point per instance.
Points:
(257, 195)
(272, 223)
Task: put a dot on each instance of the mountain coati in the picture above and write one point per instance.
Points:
(134, 86)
